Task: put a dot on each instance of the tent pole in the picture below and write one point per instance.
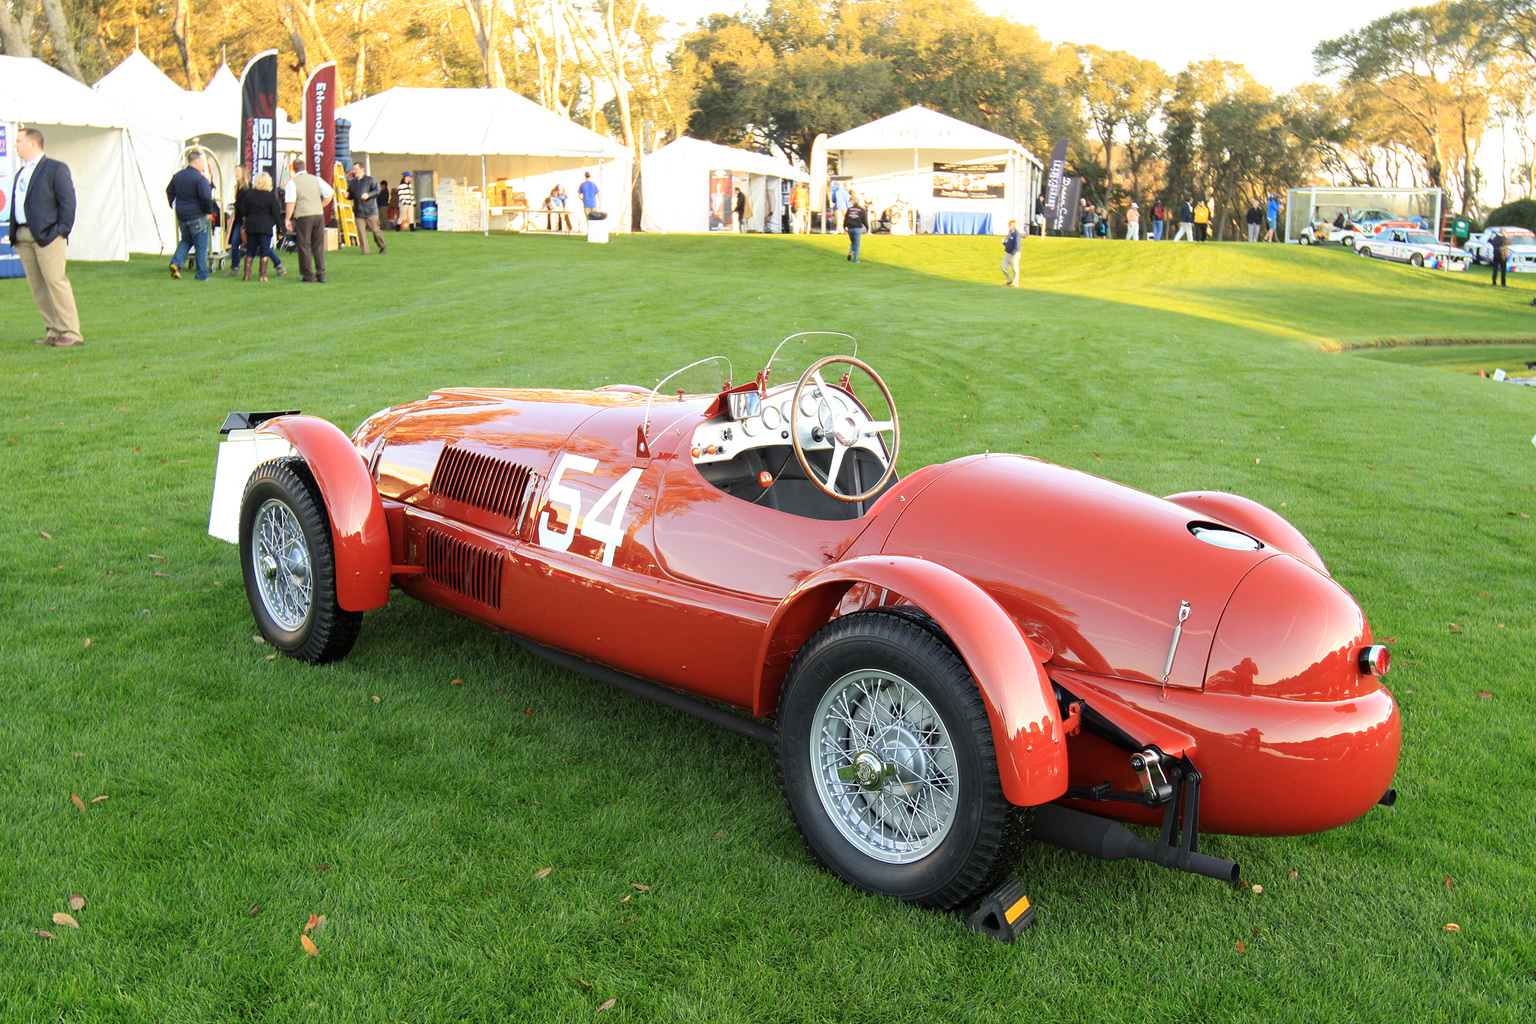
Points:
(485, 198)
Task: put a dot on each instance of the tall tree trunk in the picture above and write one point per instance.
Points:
(360, 69)
(63, 40)
(15, 33)
(290, 25)
(181, 28)
(485, 19)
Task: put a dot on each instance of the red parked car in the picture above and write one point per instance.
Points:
(955, 659)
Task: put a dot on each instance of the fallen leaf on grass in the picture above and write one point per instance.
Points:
(43, 935)
(163, 575)
(642, 888)
(76, 901)
(1240, 946)
(456, 682)
(255, 909)
(314, 919)
(626, 899)
(98, 799)
(77, 802)
(608, 1005)
(258, 639)
(1447, 881)
(66, 920)
(1258, 889)
(156, 558)
(1522, 515)
(376, 698)
(272, 657)
(720, 834)
(542, 872)
(1485, 695)
(309, 945)
(1452, 928)
(528, 711)
(46, 535)
(87, 642)
(586, 983)
(1294, 874)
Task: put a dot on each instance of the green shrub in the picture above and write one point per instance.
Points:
(1520, 213)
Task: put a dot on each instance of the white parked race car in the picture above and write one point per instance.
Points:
(1419, 248)
(1522, 248)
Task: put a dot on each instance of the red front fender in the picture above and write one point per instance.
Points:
(1008, 667)
(358, 530)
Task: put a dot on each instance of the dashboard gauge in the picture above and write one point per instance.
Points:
(751, 427)
(772, 417)
(809, 401)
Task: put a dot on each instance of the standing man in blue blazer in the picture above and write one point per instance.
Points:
(42, 216)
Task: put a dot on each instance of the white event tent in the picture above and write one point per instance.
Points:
(483, 135)
(674, 185)
(992, 179)
(117, 171)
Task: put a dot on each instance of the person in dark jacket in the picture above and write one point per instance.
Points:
(363, 190)
(259, 211)
(1500, 246)
(1013, 244)
(42, 216)
(191, 196)
(855, 222)
(1255, 222)
(236, 228)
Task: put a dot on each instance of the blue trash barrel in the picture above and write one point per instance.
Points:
(429, 214)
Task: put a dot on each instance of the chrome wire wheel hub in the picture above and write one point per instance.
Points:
(884, 766)
(282, 563)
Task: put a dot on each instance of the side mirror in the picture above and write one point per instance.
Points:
(744, 405)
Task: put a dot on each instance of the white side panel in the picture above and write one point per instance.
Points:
(239, 455)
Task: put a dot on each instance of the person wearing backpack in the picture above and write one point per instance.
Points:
(1013, 243)
(1500, 246)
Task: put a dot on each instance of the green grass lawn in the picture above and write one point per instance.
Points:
(245, 792)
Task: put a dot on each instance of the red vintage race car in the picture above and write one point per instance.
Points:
(979, 651)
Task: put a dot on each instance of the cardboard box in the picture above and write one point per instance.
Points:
(332, 239)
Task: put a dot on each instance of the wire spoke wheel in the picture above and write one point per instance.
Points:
(285, 569)
(885, 766)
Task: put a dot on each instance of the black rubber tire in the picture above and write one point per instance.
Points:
(328, 631)
(1416, 260)
(1364, 250)
(985, 839)
(1349, 241)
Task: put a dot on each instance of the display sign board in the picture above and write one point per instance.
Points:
(10, 263)
(969, 181)
(258, 115)
(721, 199)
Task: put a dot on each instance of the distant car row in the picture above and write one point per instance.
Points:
(1407, 242)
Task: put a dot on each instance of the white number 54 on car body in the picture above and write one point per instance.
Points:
(608, 533)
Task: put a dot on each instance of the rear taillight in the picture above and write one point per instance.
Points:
(1375, 660)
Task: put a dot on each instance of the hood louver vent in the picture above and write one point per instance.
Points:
(471, 570)
(482, 481)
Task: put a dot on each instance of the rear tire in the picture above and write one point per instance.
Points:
(887, 765)
(289, 564)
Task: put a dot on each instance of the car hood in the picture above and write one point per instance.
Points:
(1094, 571)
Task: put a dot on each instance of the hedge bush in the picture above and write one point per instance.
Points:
(1520, 213)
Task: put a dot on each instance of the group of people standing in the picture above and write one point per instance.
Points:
(1193, 223)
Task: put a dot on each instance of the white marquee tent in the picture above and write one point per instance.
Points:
(153, 104)
(893, 159)
(483, 135)
(674, 185)
(117, 172)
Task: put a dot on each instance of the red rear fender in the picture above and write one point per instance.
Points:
(358, 529)
(1008, 668)
(1256, 520)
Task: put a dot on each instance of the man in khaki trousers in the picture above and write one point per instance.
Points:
(42, 216)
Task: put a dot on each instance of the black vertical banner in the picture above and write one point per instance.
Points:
(1071, 202)
(1057, 210)
(258, 114)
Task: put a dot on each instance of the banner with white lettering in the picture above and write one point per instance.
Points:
(320, 125)
(1057, 212)
(258, 115)
(984, 180)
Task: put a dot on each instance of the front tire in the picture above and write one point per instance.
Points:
(1364, 250)
(289, 564)
(887, 765)
(1416, 260)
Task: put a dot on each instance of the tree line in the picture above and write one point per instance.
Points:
(1416, 90)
